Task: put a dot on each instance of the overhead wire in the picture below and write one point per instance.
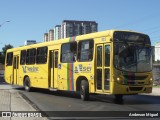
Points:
(149, 31)
(136, 21)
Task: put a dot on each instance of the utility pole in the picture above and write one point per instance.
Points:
(2, 57)
(3, 23)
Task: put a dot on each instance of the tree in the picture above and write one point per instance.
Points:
(3, 53)
(5, 48)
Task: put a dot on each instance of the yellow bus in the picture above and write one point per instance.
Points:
(114, 62)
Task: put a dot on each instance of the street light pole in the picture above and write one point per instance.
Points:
(3, 23)
(0, 27)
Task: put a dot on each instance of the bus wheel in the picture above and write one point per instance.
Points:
(27, 84)
(84, 90)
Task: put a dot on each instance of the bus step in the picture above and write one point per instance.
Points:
(53, 89)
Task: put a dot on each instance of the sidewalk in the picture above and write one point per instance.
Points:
(11, 100)
(155, 91)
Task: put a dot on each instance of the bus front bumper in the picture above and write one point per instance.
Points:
(132, 89)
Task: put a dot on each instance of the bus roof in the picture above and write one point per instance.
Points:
(64, 40)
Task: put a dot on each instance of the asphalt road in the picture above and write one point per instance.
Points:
(45, 100)
(69, 101)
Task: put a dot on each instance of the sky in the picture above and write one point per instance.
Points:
(30, 19)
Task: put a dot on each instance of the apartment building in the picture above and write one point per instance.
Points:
(51, 35)
(57, 32)
(71, 28)
(45, 38)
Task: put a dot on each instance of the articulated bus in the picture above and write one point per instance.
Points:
(117, 62)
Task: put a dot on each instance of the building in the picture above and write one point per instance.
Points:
(45, 37)
(57, 32)
(94, 27)
(89, 27)
(157, 51)
(77, 29)
(71, 28)
(67, 29)
(29, 42)
(51, 35)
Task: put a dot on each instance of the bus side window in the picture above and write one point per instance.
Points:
(56, 59)
(85, 50)
(69, 52)
(31, 53)
(9, 59)
(107, 55)
(23, 57)
(15, 63)
(41, 57)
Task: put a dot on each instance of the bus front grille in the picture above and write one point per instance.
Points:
(133, 77)
(135, 88)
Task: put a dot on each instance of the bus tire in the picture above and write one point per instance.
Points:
(84, 90)
(27, 85)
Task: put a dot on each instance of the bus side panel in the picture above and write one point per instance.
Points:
(21, 75)
(68, 73)
(63, 73)
(85, 70)
(38, 75)
(42, 78)
(9, 74)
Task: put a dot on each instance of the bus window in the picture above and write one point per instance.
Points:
(56, 59)
(51, 53)
(41, 55)
(68, 52)
(99, 56)
(15, 63)
(31, 56)
(9, 59)
(107, 55)
(23, 57)
(85, 50)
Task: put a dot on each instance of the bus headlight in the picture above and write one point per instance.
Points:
(119, 80)
(151, 80)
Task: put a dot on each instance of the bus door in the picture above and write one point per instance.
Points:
(15, 69)
(53, 76)
(103, 68)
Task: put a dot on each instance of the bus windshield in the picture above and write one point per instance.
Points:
(132, 55)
